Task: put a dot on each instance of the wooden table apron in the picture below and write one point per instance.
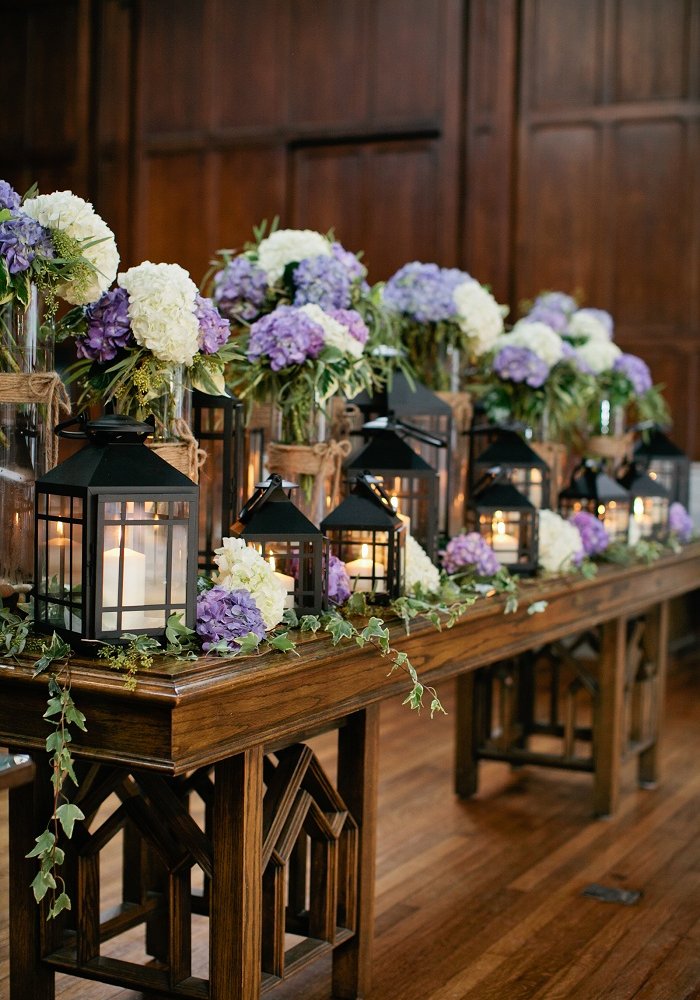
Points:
(186, 715)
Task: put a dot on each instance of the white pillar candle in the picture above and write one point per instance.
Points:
(364, 567)
(288, 581)
(133, 587)
(503, 543)
(535, 493)
(59, 547)
(404, 518)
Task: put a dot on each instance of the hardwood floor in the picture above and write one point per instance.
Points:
(481, 900)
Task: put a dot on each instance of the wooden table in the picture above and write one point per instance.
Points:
(283, 846)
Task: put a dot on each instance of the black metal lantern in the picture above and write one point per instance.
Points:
(482, 433)
(367, 534)
(294, 547)
(665, 462)
(593, 490)
(218, 426)
(507, 520)
(649, 503)
(115, 537)
(423, 409)
(404, 474)
(521, 465)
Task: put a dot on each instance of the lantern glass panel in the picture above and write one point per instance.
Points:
(416, 498)
(649, 518)
(502, 530)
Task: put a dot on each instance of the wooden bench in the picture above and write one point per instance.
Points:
(15, 769)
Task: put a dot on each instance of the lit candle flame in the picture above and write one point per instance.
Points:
(59, 529)
(272, 563)
(365, 551)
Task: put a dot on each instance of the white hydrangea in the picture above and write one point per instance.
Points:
(583, 324)
(420, 570)
(335, 334)
(599, 355)
(73, 215)
(162, 310)
(287, 246)
(559, 542)
(539, 338)
(242, 566)
(478, 315)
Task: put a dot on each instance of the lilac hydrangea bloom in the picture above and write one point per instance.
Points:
(470, 550)
(339, 588)
(552, 308)
(353, 322)
(240, 289)
(21, 239)
(214, 330)
(9, 197)
(594, 537)
(229, 615)
(520, 364)
(322, 281)
(354, 269)
(108, 327)
(424, 291)
(680, 522)
(636, 370)
(286, 336)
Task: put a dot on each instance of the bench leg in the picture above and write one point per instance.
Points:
(466, 737)
(609, 717)
(656, 636)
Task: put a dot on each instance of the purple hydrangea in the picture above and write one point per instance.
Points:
(9, 197)
(520, 364)
(470, 551)
(339, 588)
(354, 269)
(552, 308)
(108, 327)
(285, 337)
(214, 330)
(594, 537)
(322, 281)
(424, 291)
(636, 371)
(21, 240)
(680, 522)
(240, 289)
(353, 322)
(229, 615)
(569, 353)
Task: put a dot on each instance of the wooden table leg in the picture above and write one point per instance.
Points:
(609, 714)
(656, 645)
(30, 979)
(466, 725)
(358, 759)
(235, 918)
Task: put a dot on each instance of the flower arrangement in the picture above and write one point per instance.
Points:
(422, 575)
(531, 378)
(559, 543)
(680, 523)
(135, 336)
(440, 307)
(225, 617)
(57, 241)
(470, 554)
(241, 567)
(594, 538)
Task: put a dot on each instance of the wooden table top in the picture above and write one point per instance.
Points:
(185, 715)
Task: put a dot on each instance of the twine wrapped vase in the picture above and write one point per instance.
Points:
(316, 467)
(32, 401)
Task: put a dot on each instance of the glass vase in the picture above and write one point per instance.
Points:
(26, 347)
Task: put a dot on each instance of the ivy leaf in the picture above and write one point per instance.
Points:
(357, 603)
(41, 885)
(75, 716)
(44, 842)
(310, 623)
(62, 902)
(290, 618)
(538, 607)
(338, 629)
(57, 649)
(248, 644)
(283, 643)
(415, 697)
(67, 814)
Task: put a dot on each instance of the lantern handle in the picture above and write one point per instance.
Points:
(261, 493)
(392, 423)
(61, 428)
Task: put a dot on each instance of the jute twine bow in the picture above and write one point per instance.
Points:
(462, 408)
(185, 455)
(45, 388)
(318, 460)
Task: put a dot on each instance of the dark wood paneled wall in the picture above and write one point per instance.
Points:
(537, 143)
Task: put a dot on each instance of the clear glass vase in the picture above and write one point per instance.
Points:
(172, 409)
(26, 347)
